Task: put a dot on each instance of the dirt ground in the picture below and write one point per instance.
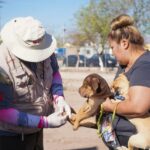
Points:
(64, 138)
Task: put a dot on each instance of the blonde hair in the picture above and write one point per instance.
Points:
(122, 27)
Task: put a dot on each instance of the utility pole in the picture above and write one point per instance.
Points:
(64, 41)
(64, 33)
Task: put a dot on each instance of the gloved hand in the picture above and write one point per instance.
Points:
(54, 120)
(62, 106)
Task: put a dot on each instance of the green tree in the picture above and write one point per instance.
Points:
(141, 13)
(93, 20)
(91, 24)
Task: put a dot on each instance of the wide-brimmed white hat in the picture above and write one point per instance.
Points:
(27, 39)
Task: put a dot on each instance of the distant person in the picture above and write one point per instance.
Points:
(30, 85)
(127, 45)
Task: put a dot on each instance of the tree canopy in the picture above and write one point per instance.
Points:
(93, 20)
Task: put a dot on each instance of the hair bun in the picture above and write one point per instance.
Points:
(121, 21)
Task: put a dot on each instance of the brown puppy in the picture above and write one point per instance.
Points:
(121, 85)
(142, 138)
(96, 90)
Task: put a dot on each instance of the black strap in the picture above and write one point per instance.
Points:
(113, 144)
(121, 128)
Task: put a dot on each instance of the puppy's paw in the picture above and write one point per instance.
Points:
(76, 125)
(115, 101)
(72, 119)
(86, 109)
(122, 148)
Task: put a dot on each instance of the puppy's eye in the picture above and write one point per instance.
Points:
(85, 85)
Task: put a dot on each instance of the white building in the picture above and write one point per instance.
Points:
(88, 50)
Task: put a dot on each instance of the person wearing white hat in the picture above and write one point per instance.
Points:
(31, 90)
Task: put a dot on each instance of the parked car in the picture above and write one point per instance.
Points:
(109, 60)
(60, 53)
(93, 61)
(71, 60)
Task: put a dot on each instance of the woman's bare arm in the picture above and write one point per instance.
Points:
(137, 105)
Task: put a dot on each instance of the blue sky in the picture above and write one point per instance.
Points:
(54, 14)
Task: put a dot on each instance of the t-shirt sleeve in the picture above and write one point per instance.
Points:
(141, 76)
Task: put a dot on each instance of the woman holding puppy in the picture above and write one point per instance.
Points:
(127, 45)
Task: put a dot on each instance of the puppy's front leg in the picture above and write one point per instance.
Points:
(89, 122)
(83, 113)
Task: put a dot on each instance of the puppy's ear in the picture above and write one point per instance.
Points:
(95, 84)
(103, 90)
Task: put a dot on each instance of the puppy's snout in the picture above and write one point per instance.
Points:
(85, 96)
(83, 92)
(80, 90)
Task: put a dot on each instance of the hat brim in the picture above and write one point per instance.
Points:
(24, 52)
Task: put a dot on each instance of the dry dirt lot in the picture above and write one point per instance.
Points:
(64, 138)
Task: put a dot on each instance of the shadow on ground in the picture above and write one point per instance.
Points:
(86, 148)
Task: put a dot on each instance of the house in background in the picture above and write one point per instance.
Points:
(71, 49)
(88, 50)
(60, 52)
(88, 55)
